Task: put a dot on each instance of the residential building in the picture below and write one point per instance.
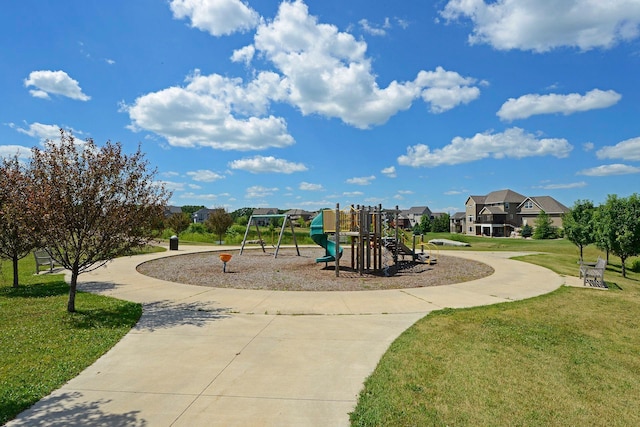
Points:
(201, 215)
(409, 218)
(296, 214)
(457, 222)
(500, 213)
(263, 222)
(531, 207)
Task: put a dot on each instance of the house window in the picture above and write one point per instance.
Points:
(528, 204)
(506, 205)
(470, 218)
(470, 229)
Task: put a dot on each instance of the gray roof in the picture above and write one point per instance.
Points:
(547, 204)
(265, 211)
(458, 215)
(493, 210)
(478, 199)
(417, 210)
(502, 196)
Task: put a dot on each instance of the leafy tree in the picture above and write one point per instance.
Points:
(191, 209)
(219, 221)
(425, 224)
(178, 222)
(93, 203)
(526, 231)
(301, 222)
(578, 224)
(622, 229)
(242, 212)
(440, 224)
(544, 228)
(602, 230)
(18, 234)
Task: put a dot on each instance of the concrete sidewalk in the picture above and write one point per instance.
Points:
(211, 356)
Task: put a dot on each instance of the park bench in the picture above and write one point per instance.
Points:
(593, 273)
(43, 258)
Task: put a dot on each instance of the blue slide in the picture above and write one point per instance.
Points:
(320, 237)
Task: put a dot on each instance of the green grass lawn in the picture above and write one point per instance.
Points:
(41, 345)
(566, 358)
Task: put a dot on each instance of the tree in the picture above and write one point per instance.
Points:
(93, 203)
(601, 230)
(440, 224)
(526, 231)
(425, 224)
(544, 228)
(219, 221)
(622, 227)
(178, 222)
(18, 234)
(578, 224)
(191, 209)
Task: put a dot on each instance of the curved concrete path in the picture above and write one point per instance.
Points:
(210, 356)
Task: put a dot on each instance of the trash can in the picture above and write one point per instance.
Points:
(173, 243)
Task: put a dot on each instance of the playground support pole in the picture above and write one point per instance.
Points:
(379, 235)
(337, 236)
(395, 255)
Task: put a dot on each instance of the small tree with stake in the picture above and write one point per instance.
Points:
(18, 234)
(219, 221)
(93, 203)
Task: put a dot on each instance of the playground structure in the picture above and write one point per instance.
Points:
(252, 221)
(367, 230)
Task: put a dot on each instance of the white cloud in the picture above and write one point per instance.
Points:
(445, 90)
(513, 143)
(362, 180)
(453, 192)
(328, 73)
(258, 191)
(307, 186)
(316, 68)
(533, 104)
(390, 172)
(588, 146)
(353, 193)
(373, 29)
(607, 170)
(54, 82)
(10, 151)
(270, 164)
(567, 186)
(204, 175)
(542, 25)
(208, 112)
(217, 17)
(173, 186)
(41, 131)
(625, 150)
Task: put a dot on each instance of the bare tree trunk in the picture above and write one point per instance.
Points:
(15, 271)
(624, 270)
(580, 253)
(71, 305)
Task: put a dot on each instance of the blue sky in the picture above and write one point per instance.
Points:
(305, 104)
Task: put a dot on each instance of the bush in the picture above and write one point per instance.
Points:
(196, 228)
(635, 266)
(526, 231)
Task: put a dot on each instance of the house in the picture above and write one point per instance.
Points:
(201, 215)
(263, 222)
(531, 207)
(409, 218)
(172, 210)
(457, 222)
(296, 214)
(500, 213)
(493, 215)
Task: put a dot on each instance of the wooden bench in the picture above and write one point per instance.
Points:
(593, 273)
(43, 258)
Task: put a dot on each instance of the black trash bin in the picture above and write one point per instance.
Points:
(173, 243)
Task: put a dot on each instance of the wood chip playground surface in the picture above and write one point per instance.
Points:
(255, 270)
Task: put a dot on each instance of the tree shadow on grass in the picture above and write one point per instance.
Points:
(59, 410)
(167, 314)
(36, 290)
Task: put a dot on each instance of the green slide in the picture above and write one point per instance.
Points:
(320, 237)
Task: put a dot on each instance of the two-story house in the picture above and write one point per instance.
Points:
(500, 213)
(494, 214)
